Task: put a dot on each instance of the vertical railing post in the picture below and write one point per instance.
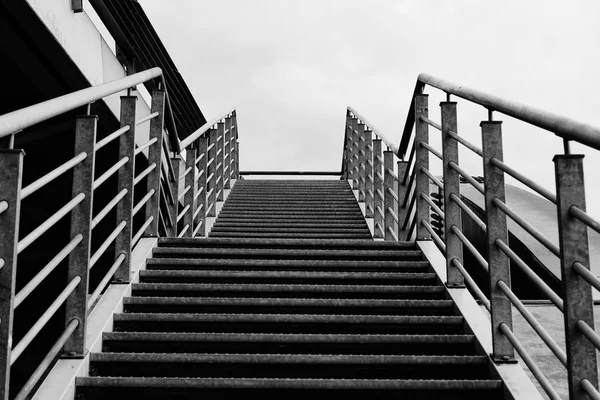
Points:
(236, 136)
(227, 155)
(574, 248)
(377, 190)
(421, 163)
(219, 161)
(451, 182)
(202, 172)
(177, 170)
(402, 211)
(125, 181)
(190, 195)
(81, 221)
(11, 175)
(388, 200)
(499, 264)
(155, 157)
(346, 158)
(369, 207)
(351, 151)
(211, 177)
(359, 128)
(362, 163)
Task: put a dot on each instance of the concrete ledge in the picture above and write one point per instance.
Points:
(60, 382)
(517, 384)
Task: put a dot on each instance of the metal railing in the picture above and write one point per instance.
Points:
(404, 209)
(130, 205)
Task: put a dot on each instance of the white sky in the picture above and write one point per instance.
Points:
(292, 67)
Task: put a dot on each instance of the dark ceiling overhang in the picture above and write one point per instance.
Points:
(137, 40)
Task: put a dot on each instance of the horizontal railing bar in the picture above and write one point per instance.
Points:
(219, 177)
(584, 217)
(527, 226)
(378, 226)
(435, 208)
(589, 389)
(182, 213)
(3, 206)
(589, 333)
(111, 171)
(141, 231)
(200, 157)
(411, 205)
(431, 123)
(145, 146)
(184, 192)
(433, 179)
(108, 208)
(393, 194)
(143, 174)
(21, 119)
(380, 211)
(377, 132)
(210, 162)
(466, 143)
(146, 118)
(468, 177)
(379, 194)
(187, 171)
(219, 193)
(209, 208)
(197, 228)
(535, 370)
(467, 243)
(51, 266)
(210, 146)
(409, 189)
(210, 191)
(143, 201)
(392, 174)
(43, 320)
(468, 211)
(105, 281)
(220, 150)
(200, 190)
(184, 230)
(43, 366)
(379, 176)
(100, 144)
(471, 284)
(393, 214)
(49, 177)
(534, 323)
(198, 175)
(586, 274)
(200, 207)
(204, 128)
(411, 157)
(379, 158)
(49, 223)
(391, 231)
(561, 126)
(431, 150)
(225, 168)
(524, 180)
(96, 256)
(543, 286)
(436, 239)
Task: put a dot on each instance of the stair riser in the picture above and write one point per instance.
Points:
(291, 235)
(299, 281)
(240, 265)
(257, 254)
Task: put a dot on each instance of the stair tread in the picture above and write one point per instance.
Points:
(288, 301)
(280, 253)
(288, 287)
(286, 274)
(285, 242)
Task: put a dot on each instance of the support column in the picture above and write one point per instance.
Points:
(389, 201)
(227, 155)
(574, 248)
(402, 211)
(201, 196)
(377, 191)
(190, 195)
(155, 157)
(369, 199)
(421, 162)
(211, 162)
(362, 161)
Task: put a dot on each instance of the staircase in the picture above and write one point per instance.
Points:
(289, 296)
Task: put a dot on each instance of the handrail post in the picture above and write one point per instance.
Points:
(202, 172)
(402, 211)
(352, 152)
(211, 170)
(190, 195)
(388, 200)
(227, 155)
(177, 170)
(81, 220)
(11, 165)
(452, 212)
(499, 264)
(219, 161)
(345, 155)
(362, 161)
(578, 300)
(421, 162)
(155, 157)
(236, 136)
(377, 186)
(125, 181)
(369, 174)
(360, 127)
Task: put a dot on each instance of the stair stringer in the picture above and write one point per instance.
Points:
(517, 384)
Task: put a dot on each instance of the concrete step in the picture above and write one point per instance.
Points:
(349, 236)
(278, 343)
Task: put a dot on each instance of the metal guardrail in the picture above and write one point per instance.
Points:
(159, 208)
(406, 210)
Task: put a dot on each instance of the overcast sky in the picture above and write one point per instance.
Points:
(292, 67)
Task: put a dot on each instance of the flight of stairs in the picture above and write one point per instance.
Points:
(223, 318)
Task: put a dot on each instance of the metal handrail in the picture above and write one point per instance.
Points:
(393, 146)
(204, 128)
(22, 119)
